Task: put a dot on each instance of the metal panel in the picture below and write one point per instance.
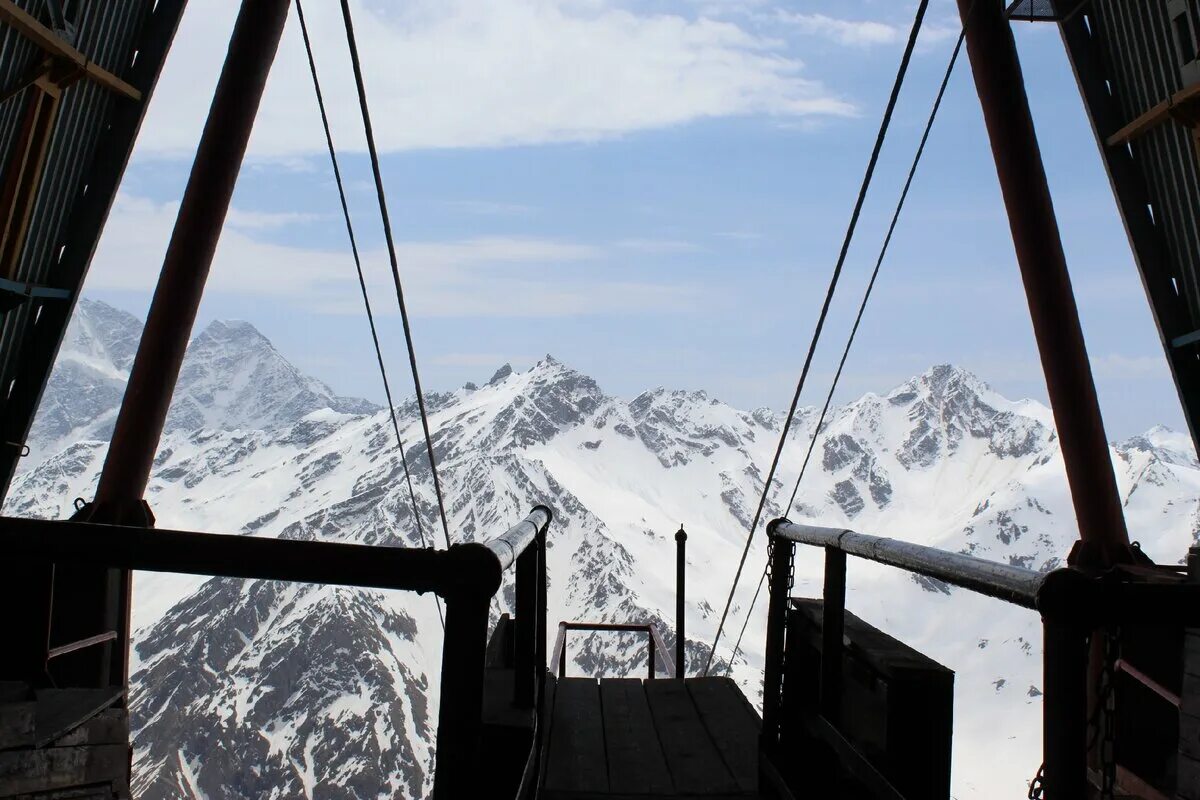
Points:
(1126, 63)
(90, 145)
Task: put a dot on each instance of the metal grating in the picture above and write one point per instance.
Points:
(89, 147)
(1042, 10)
(1126, 63)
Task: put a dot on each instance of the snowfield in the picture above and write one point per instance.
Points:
(256, 689)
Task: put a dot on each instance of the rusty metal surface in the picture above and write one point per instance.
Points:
(1000, 85)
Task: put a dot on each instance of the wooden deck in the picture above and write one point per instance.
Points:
(628, 738)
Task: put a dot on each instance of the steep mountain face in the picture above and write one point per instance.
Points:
(258, 689)
(232, 379)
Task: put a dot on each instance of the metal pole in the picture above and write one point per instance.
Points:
(1065, 711)
(89, 601)
(460, 715)
(833, 626)
(680, 561)
(189, 255)
(1001, 88)
(780, 553)
(525, 674)
(650, 656)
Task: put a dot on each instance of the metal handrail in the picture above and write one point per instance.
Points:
(466, 576)
(509, 545)
(1007, 582)
(654, 643)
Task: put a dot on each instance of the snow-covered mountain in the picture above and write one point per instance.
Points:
(257, 689)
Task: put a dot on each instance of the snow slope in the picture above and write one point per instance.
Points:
(332, 692)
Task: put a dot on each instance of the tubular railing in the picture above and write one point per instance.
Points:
(1072, 603)
(654, 644)
(466, 577)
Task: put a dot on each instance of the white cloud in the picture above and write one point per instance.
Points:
(475, 73)
(863, 33)
(843, 31)
(496, 276)
(658, 246)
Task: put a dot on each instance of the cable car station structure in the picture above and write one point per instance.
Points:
(847, 711)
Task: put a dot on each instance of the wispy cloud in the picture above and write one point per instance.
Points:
(459, 73)
(861, 33)
(495, 276)
(490, 208)
(660, 246)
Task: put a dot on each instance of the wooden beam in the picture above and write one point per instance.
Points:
(54, 45)
(1178, 106)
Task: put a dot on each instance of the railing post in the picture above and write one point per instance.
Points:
(780, 584)
(562, 654)
(525, 629)
(833, 626)
(539, 642)
(460, 718)
(650, 655)
(1065, 711)
(680, 561)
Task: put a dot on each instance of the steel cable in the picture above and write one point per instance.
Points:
(391, 246)
(937, 102)
(362, 283)
(837, 271)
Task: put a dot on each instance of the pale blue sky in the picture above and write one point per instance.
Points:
(654, 192)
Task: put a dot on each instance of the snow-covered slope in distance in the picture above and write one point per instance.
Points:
(334, 691)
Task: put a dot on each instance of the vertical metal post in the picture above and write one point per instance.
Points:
(525, 634)
(779, 588)
(562, 654)
(1001, 89)
(680, 596)
(650, 656)
(460, 715)
(539, 639)
(202, 211)
(833, 626)
(1065, 711)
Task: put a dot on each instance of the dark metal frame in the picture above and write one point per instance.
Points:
(466, 577)
(1073, 603)
(654, 644)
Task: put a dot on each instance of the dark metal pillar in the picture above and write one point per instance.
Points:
(779, 584)
(680, 562)
(189, 255)
(1001, 88)
(88, 602)
(1065, 711)
(833, 626)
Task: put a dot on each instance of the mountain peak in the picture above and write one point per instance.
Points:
(500, 375)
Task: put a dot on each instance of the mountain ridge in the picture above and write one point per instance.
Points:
(227, 670)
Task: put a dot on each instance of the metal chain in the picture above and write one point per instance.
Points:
(791, 581)
(1107, 704)
(1103, 725)
(1036, 787)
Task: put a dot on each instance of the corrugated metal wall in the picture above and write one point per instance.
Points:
(91, 121)
(1126, 63)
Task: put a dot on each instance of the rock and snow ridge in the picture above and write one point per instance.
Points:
(256, 689)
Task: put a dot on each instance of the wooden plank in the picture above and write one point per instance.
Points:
(61, 710)
(51, 43)
(695, 763)
(731, 724)
(61, 768)
(636, 764)
(17, 724)
(576, 762)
